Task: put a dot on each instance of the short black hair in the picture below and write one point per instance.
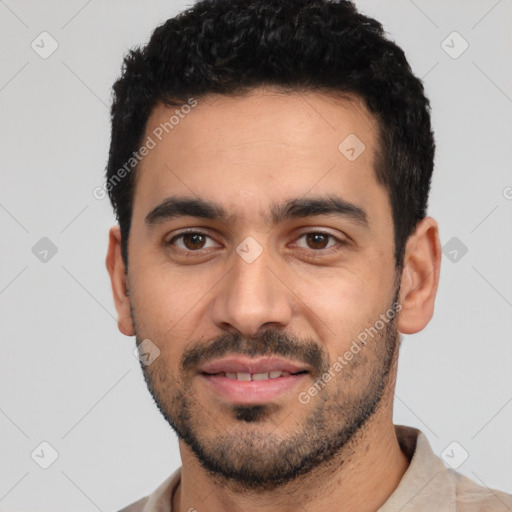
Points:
(230, 47)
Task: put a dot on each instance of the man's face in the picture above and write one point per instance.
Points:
(264, 281)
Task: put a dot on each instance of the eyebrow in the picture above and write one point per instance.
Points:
(175, 207)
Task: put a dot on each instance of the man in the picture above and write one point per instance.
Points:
(270, 166)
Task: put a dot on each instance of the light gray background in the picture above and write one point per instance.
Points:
(68, 377)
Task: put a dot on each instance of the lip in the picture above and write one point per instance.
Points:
(251, 392)
(241, 364)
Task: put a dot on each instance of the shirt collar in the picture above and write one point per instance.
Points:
(426, 485)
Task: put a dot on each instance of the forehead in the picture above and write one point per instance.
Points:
(261, 117)
(247, 151)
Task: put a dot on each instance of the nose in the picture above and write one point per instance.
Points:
(252, 298)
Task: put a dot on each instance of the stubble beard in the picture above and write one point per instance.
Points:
(250, 452)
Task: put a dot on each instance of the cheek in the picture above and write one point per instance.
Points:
(165, 295)
(345, 304)
(170, 308)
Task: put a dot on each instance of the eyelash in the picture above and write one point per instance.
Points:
(189, 253)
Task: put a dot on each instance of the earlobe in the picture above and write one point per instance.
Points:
(118, 279)
(420, 277)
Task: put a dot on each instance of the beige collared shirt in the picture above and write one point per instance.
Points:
(427, 485)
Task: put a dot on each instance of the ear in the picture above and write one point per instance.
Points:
(420, 277)
(118, 279)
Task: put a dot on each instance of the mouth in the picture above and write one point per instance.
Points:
(246, 377)
(248, 381)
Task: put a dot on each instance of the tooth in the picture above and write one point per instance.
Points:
(274, 374)
(230, 375)
(243, 376)
(259, 376)
(285, 374)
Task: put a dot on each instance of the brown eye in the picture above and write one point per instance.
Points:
(317, 240)
(192, 241)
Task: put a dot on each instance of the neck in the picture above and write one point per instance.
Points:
(360, 478)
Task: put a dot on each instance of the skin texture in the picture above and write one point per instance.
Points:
(299, 297)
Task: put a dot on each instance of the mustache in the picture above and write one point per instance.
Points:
(269, 343)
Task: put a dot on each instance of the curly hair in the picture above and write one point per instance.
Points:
(229, 47)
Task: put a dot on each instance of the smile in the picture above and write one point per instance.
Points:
(252, 388)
